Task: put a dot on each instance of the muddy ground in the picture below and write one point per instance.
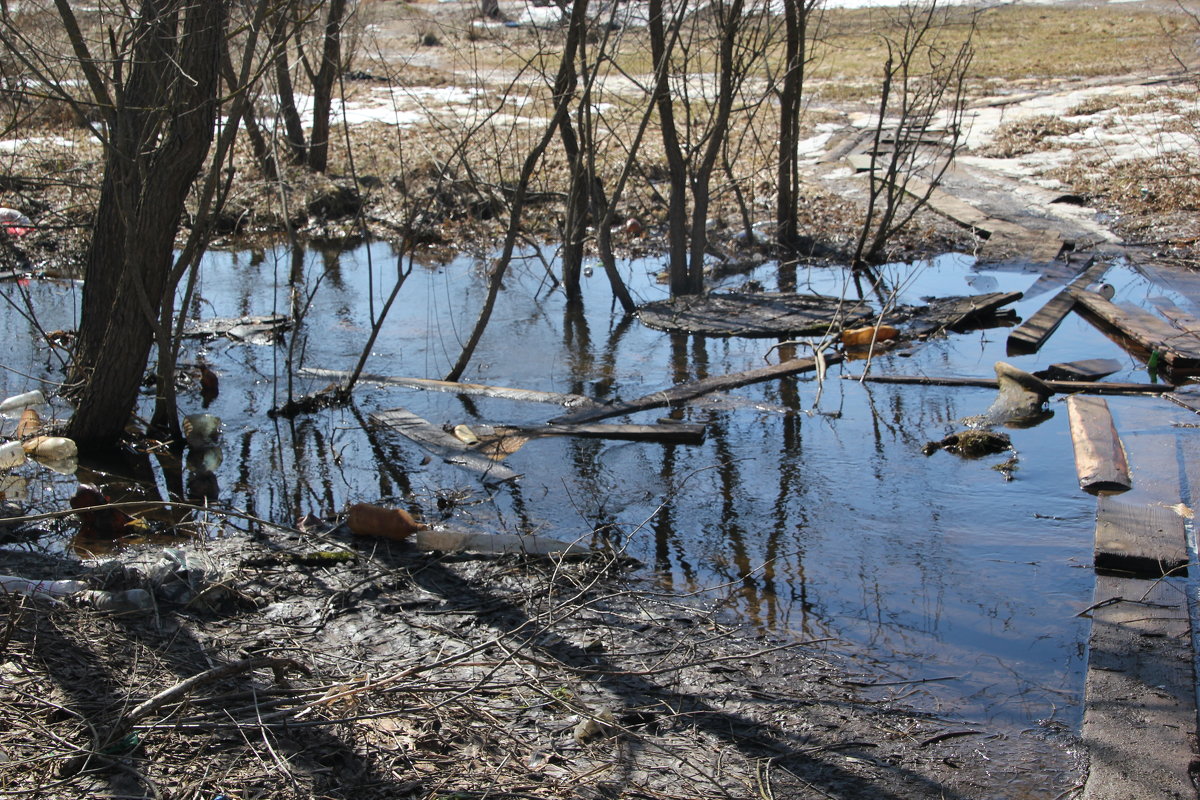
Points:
(340, 667)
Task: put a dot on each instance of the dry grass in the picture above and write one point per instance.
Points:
(1028, 135)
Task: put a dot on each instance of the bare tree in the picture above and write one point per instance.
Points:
(928, 56)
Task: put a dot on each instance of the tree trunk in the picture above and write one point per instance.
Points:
(323, 83)
(293, 127)
(677, 223)
(161, 131)
(787, 206)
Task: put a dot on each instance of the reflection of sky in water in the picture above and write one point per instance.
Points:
(823, 521)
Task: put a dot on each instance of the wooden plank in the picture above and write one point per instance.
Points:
(238, 327)
(1100, 460)
(1059, 387)
(1088, 369)
(1182, 320)
(957, 313)
(675, 433)
(1140, 704)
(681, 393)
(427, 384)
(1150, 333)
(1141, 540)
(1030, 335)
(764, 314)
(442, 444)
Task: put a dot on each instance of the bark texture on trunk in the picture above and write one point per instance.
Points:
(160, 132)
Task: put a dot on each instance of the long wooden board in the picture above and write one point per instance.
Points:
(484, 390)
(674, 433)
(1060, 387)
(1088, 369)
(1100, 460)
(681, 393)
(442, 444)
(1140, 706)
(1141, 540)
(1148, 332)
(1030, 335)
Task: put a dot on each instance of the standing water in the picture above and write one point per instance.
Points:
(810, 509)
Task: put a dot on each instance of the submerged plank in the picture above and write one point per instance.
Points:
(1139, 539)
(1030, 335)
(442, 444)
(755, 314)
(1088, 369)
(1140, 707)
(1100, 460)
(681, 393)
(430, 385)
(1148, 332)
(958, 313)
(1059, 387)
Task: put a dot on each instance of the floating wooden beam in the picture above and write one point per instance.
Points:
(1141, 540)
(1060, 387)
(681, 393)
(674, 433)
(442, 444)
(426, 384)
(1181, 350)
(1140, 705)
(1100, 458)
(1088, 369)
(1030, 335)
(242, 328)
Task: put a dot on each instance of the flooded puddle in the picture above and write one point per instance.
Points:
(812, 517)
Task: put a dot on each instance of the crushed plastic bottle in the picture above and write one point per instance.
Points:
(51, 448)
(383, 523)
(117, 602)
(12, 454)
(34, 398)
(17, 585)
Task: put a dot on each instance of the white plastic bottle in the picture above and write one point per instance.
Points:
(51, 448)
(12, 454)
(34, 398)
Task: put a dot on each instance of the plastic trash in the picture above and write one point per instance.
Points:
(12, 454)
(117, 602)
(862, 337)
(18, 585)
(382, 523)
(51, 448)
(34, 398)
(201, 430)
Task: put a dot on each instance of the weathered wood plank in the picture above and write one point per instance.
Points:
(755, 314)
(1100, 460)
(1140, 706)
(1146, 331)
(1088, 369)
(675, 433)
(1060, 387)
(442, 444)
(681, 393)
(1145, 541)
(1030, 335)
(956, 313)
(484, 390)
(1186, 322)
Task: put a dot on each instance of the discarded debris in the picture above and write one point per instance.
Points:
(365, 519)
(1148, 333)
(866, 337)
(1091, 369)
(754, 314)
(502, 392)
(959, 313)
(971, 444)
(251, 329)
(442, 444)
(1030, 335)
(1022, 396)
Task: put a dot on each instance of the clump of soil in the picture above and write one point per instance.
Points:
(971, 444)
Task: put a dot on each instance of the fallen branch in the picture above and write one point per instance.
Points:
(426, 384)
(1060, 387)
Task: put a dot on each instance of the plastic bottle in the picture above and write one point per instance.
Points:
(118, 602)
(51, 448)
(34, 398)
(201, 430)
(383, 523)
(19, 585)
(12, 454)
(862, 337)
